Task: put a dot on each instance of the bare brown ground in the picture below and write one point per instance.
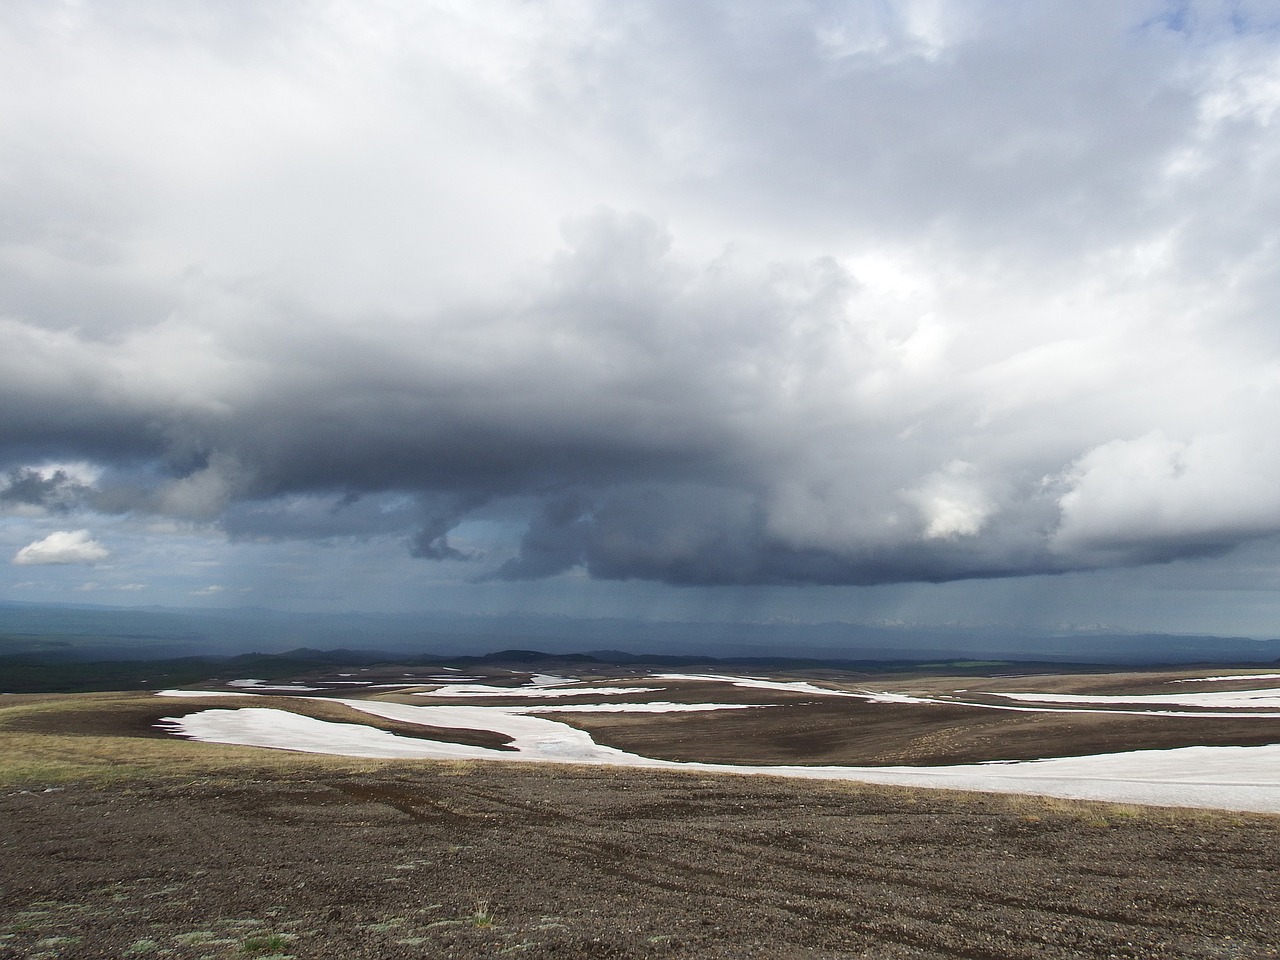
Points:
(488, 860)
(790, 728)
(140, 715)
(225, 852)
(854, 732)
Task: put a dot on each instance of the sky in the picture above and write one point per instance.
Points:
(885, 311)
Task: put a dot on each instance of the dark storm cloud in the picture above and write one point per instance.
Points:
(698, 536)
(319, 517)
(432, 542)
(555, 540)
(56, 491)
(709, 294)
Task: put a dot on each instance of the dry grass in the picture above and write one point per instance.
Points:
(1102, 814)
(50, 759)
(47, 740)
(1032, 808)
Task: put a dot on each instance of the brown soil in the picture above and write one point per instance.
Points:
(142, 716)
(854, 732)
(496, 860)
(796, 728)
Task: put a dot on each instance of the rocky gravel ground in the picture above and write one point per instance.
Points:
(488, 860)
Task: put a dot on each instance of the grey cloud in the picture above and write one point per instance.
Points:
(432, 542)
(838, 295)
(698, 536)
(57, 491)
(685, 535)
(726, 424)
(1012, 127)
(318, 517)
(555, 540)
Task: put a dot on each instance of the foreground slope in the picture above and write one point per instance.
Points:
(472, 860)
(120, 840)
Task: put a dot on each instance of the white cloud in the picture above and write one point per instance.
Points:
(63, 546)
(1139, 496)
(951, 502)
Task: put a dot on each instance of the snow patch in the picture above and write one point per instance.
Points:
(266, 727)
(463, 690)
(1231, 778)
(263, 685)
(200, 693)
(1250, 676)
(656, 706)
(755, 683)
(1229, 698)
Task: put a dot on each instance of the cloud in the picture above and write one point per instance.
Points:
(726, 294)
(1154, 498)
(432, 542)
(554, 541)
(51, 488)
(61, 547)
(951, 504)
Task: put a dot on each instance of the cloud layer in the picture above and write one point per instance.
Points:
(737, 293)
(63, 546)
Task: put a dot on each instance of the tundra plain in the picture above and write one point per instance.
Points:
(122, 839)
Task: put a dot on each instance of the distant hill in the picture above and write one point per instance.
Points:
(39, 673)
(81, 633)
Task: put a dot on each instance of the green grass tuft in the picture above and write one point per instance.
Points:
(482, 916)
(262, 944)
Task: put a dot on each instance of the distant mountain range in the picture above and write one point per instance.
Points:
(88, 633)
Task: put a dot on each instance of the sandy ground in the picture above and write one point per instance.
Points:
(489, 860)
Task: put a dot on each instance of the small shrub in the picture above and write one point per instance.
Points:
(481, 917)
(260, 944)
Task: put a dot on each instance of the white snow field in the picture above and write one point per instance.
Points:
(1042, 703)
(757, 683)
(201, 693)
(1248, 676)
(1229, 778)
(1225, 698)
(280, 687)
(461, 690)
